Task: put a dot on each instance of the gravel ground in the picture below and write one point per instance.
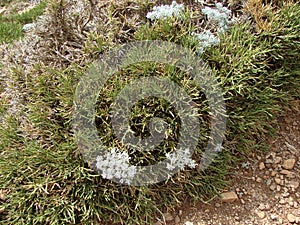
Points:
(264, 190)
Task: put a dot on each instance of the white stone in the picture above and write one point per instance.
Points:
(188, 223)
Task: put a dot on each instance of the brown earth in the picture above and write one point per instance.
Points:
(266, 186)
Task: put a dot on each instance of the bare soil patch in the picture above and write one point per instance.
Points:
(267, 186)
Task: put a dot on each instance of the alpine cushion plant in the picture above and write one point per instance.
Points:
(44, 178)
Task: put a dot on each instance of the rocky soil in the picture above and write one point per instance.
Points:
(264, 190)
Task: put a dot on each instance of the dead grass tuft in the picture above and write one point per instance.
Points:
(261, 14)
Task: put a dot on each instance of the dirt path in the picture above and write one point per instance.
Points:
(266, 187)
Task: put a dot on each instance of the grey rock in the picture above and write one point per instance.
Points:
(28, 27)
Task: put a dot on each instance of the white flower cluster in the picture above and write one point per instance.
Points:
(180, 159)
(115, 164)
(220, 15)
(165, 11)
(206, 39)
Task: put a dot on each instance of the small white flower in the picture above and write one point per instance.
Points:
(218, 148)
(206, 39)
(165, 11)
(245, 165)
(115, 164)
(180, 159)
(220, 15)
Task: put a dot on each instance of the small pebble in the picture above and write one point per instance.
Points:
(261, 214)
(262, 166)
(291, 218)
(289, 164)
